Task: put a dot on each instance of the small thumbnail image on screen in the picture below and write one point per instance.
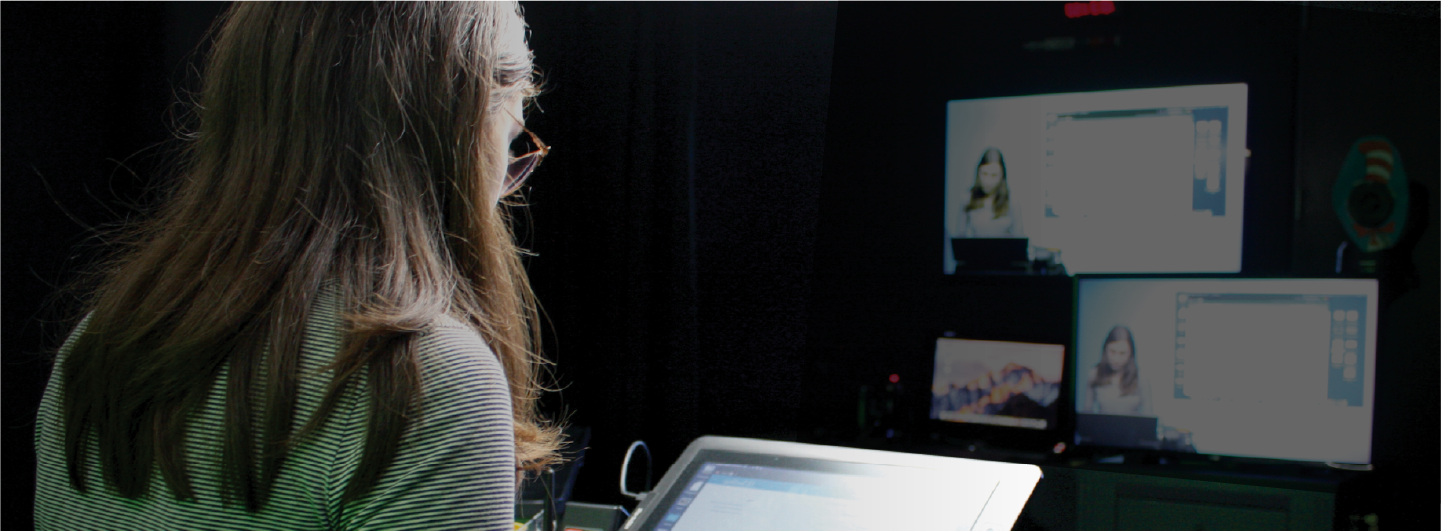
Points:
(997, 382)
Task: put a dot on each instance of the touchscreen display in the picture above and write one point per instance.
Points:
(801, 495)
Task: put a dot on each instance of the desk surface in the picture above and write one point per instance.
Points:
(1293, 476)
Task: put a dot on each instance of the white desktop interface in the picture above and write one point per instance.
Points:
(1272, 368)
(1124, 181)
(734, 483)
(730, 496)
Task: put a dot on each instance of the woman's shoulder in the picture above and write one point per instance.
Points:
(447, 350)
(449, 327)
(450, 349)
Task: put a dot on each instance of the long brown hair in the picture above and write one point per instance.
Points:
(1129, 373)
(337, 144)
(1001, 202)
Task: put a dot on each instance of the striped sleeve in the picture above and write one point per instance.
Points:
(456, 465)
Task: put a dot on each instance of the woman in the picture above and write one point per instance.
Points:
(326, 324)
(1114, 386)
(989, 212)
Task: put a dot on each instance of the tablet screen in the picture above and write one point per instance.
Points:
(726, 490)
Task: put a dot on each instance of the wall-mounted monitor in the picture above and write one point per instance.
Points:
(1124, 181)
(1265, 368)
(997, 382)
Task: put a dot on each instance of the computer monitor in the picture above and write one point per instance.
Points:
(997, 382)
(1264, 368)
(1123, 181)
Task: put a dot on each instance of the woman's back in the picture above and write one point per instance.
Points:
(326, 322)
(455, 468)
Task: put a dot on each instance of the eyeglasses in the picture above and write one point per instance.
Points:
(520, 167)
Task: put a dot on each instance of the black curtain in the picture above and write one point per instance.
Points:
(87, 87)
(671, 225)
(612, 223)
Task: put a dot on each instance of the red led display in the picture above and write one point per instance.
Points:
(1083, 9)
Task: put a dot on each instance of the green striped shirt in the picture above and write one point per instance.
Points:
(455, 468)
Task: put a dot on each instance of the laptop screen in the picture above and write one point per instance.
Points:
(989, 254)
(997, 382)
(728, 490)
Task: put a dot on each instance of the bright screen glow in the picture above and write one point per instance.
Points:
(1126, 181)
(1280, 369)
(997, 382)
(760, 498)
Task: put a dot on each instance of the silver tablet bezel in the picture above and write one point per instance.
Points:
(1015, 481)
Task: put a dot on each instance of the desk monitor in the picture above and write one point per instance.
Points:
(725, 483)
(1123, 181)
(1262, 368)
(997, 382)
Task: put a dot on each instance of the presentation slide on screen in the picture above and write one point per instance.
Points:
(1279, 369)
(1126, 181)
(727, 496)
(997, 382)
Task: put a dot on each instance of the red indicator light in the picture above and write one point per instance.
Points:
(895, 378)
(1082, 9)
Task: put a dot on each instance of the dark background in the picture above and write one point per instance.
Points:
(1318, 79)
(724, 231)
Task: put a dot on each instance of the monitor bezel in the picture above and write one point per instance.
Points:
(1012, 437)
(1150, 456)
(1245, 175)
(1015, 482)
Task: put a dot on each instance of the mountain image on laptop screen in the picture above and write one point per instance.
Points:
(994, 382)
(1015, 392)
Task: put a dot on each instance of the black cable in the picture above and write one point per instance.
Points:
(552, 519)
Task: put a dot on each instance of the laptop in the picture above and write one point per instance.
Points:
(990, 254)
(1121, 431)
(758, 485)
